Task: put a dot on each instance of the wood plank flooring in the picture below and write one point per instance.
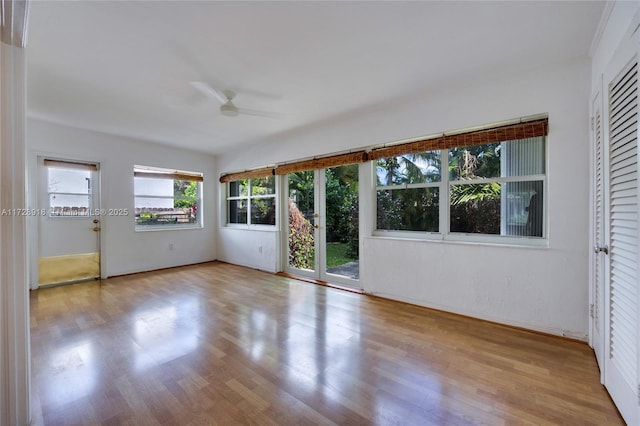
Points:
(218, 344)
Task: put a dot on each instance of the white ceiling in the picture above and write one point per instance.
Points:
(125, 67)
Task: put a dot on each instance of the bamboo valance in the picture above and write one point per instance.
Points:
(250, 174)
(175, 176)
(523, 130)
(71, 165)
(514, 131)
(323, 162)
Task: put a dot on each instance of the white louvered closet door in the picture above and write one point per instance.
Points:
(621, 368)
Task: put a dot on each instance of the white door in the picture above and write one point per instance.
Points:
(621, 372)
(303, 223)
(600, 261)
(69, 221)
(323, 226)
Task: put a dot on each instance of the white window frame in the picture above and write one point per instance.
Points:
(248, 199)
(197, 177)
(444, 209)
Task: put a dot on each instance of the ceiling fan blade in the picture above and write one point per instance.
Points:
(258, 113)
(209, 91)
(258, 94)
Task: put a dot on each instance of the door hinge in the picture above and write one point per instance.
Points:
(591, 308)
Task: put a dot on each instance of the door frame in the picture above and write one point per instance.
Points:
(320, 237)
(597, 304)
(34, 186)
(312, 274)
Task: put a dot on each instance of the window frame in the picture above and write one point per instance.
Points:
(172, 175)
(249, 197)
(444, 234)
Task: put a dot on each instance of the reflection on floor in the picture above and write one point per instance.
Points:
(221, 344)
(61, 269)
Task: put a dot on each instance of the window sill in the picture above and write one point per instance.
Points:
(243, 227)
(464, 239)
(148, 228)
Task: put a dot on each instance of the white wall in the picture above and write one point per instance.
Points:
(256, 249)
(542, 289)
(125, 250)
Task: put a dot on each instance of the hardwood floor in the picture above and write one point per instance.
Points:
(221, 344)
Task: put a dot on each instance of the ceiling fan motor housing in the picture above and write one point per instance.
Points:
(229, 109)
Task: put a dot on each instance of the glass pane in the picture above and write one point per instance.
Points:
(69, 205)
(415, 209)
(342, 227)
(185, 192)
(237, 211)
(510, 209)
(263, 211)
(475, 208)
(238, 188)
(161, 211)
(69, 180)
(263, 186)
(153, 203)
(523, 203)
(301, 220)
(151, 186)
(409, 168)
(523, 157)
(473, 162)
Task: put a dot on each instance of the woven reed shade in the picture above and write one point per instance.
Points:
(321, 163)
(509, 132)
(71, 165)
(176, 176)
(251, 174)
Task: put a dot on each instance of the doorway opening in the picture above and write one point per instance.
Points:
(68, 222)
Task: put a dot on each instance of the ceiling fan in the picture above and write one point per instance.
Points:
(227, 107)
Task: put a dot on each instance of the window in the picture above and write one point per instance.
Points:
(252, 201)
(167, 198)
(69, 188)
(495, 189)
(408, 192)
